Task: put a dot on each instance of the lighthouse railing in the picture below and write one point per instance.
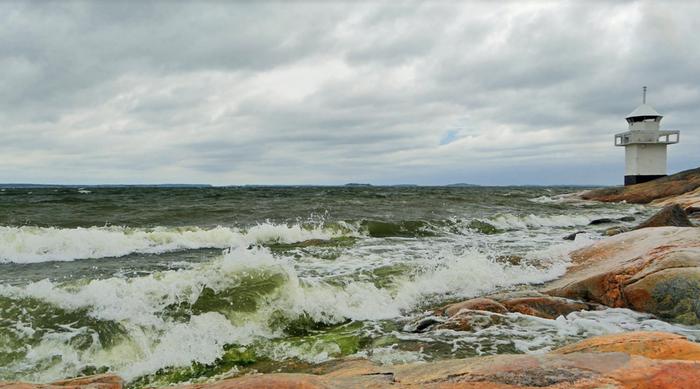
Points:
(669, 137)
(666, 137)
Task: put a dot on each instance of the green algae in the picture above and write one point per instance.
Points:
(45, 318)
(483, 227)
(405, 228)
(42, 319)
(678, 299)
(234, 357)
(245, 296)
(386, 276)
(336, 341)
(339, 242)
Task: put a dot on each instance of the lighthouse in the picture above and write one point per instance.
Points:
(645, 144)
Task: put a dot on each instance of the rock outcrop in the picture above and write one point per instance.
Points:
(101, 381)
(655, 270)
(669, 216)
(654, 345)
(690, 202)
(631, 360)
(575, 371)
(662, 189)
(478, 313)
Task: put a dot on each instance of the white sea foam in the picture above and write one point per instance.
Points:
(390, 355)
(509, 221)
(330, 291)
(154, 341)
(530, 334)
(565, 198)
(202, 339)
(41, 244)
(138, 304)
(544, 200)
(471, 274)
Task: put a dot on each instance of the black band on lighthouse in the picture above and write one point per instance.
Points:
(631, 180)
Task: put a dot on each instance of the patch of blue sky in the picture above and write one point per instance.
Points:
(449, 137)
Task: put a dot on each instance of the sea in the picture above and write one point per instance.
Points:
(170, 285)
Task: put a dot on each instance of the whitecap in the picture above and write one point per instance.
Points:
(28, 244)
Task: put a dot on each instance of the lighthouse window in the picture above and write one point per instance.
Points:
(644, 118)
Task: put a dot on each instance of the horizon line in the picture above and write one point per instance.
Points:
(22, 185)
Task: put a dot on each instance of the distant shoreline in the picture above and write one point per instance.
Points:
(50, 186)
(347, 186)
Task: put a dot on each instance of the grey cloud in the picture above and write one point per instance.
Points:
(251, 92)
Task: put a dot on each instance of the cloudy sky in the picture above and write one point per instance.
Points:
(329, 93)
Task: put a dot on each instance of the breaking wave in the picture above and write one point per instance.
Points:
(41, 244)
(509, 221)
(140, 325)
(514, 222)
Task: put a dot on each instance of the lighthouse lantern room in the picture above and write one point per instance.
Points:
(645, 144)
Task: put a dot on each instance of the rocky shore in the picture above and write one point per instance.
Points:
(681, 188)
(654, 268)
(629, 360)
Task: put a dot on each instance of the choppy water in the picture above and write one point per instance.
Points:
(172, 285)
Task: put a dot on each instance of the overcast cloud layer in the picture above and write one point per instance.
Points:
(315, 93)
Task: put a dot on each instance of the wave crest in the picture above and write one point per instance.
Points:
(42, 244)
(204, 308)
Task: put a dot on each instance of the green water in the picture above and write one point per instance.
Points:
(171, 285)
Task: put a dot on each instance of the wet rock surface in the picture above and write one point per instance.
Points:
(572, 236)
(540, 305)
(690, 202)
(655, 270)
(615, 230)
(669, 216)
(482, 312)
(637, 360)
(481, 304)
(654, 345)
(629, 360)
(101, 381)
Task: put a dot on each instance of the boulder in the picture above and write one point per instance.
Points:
(468, 315)
(612, 231)
(479, 313)
(670, 215)
(604, 220)
(541, 305)
(480, 304)
(689, 201)
(468, 320)
(663, 188)
(655, 270)
(572, 236)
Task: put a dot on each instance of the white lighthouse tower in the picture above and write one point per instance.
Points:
(645, 144)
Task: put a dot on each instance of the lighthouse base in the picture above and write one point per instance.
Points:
(631, 180)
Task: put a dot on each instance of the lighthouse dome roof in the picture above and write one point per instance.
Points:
(643, 110)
